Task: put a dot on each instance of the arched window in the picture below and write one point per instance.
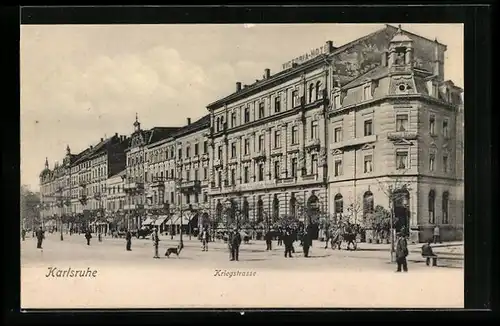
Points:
(444, 206)
(260, 210)
(276, 208)
(246, 210)
(368, 205)
(312, 208)
(293, 206)
(318, 91)
(217, 126)
(339, 205)
(432, 205)
(311, 93)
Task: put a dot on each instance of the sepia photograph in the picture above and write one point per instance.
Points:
(242, 166)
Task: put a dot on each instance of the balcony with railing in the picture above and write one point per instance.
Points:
(402, 135)
(259, 155)
(130, 186)
(205, 157)
(190, 186)
(157, 182)
(313, 144)
(217, 163)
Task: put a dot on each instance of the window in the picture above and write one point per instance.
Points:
(445, 163)
(219, 178)
(172, 174)
(188, 151)
(314, 130)
(339, 205)
(172, 153)
(311, 93)
(247, 115)
(261, 142)
(368, 203)
(318, 91)
(196, 149)
(294, 167)
(295, 98)
(246, 143)
(366, 93)
(219, 152)
(368, 167)
(205, 197)
(188, 199)
(445, 128)
(196, 197)
(245, 174)
(205, 147)
(337, 135)
(432, 124)
(233, 119)
(368, 128)
(432, 158)
(261, 110)
(261, 172)
(233, 177)
(196, 174)
(314, 163)
(336, 101)
(188, 175)
(432, 203)
(338, 168)
(401, 160)
(444, 207)
(277, 103)
(277, 139)
(233, 150)
(180, 153)
(205, 173)
(276, 169)
(295, 135)
(401, 122)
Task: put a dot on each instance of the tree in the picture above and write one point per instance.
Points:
(30, 207)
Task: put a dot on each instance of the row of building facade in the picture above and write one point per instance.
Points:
(336, 133)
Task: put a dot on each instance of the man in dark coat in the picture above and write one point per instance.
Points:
(128, 237)
(39, 238)
(288, 239)
(401, 252)
(234, 241)
(428, 253)
(156, 241)
(23, 234)
(306, 242)
(88, 236)
(280, 237)
(269, 240)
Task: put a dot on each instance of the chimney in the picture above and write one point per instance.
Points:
(116, 134)
(267, 73)
(384, 59)
(328, 46)
(245, 86)
(294, 64)
(189, 119)
(102, 139)
(238, 86)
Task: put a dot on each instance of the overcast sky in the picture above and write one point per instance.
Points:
(83, 82)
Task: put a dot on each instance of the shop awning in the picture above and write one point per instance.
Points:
(161, 219)
(148, 221)
(185, 220)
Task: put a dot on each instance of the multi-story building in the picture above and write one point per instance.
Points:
(370, 123)
(115, 198)
(78, 185)
(178, 169)
(137, 171)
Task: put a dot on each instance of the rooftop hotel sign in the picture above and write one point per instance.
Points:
(307, 56)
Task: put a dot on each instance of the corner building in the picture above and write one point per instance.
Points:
(370, 123)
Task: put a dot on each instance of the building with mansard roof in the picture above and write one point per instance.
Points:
(340, 131)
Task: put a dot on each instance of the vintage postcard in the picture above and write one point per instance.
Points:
(242, 166)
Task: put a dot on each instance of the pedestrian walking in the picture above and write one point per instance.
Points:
(204, 236)
(401, 252)
(88, 236)
(23, 234)
(306, 242)
(128, 238)
(288, 242)
(40, 235)
(234, 241)
(269, 240)
(280, 237)
(156, 241)
(437, 234)
(429, 254)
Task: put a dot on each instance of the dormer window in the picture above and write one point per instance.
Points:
(399, 56)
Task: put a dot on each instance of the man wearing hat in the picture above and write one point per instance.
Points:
(156, 240)
(234, 242)
(401, 252)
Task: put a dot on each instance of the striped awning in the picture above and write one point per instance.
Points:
(185, 220)
(161, 219)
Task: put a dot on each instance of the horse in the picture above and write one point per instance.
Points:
(347, 234)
